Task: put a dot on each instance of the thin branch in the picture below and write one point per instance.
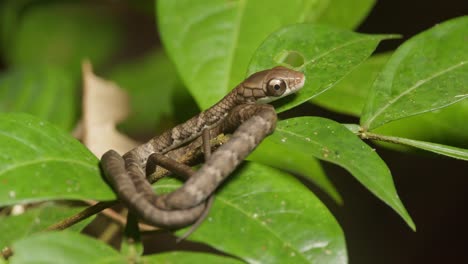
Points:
(87, 212)
(119, 218)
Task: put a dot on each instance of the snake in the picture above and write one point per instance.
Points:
(245, 110)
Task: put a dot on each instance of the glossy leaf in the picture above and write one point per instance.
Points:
(426, 73)
(73, 32)
(331, 141)
(46, 92)
(35, 220)
(186, 257)
(269, 217)
(39, 162)
(328, 54)
(63, 247)
(454, 152)
(212, 42)
(446, 126)
(272, 153)
(349, 95)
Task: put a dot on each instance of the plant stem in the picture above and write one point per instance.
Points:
(390, 139)
(89, 211)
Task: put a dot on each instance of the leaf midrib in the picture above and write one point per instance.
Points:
(383, 190)
(326, 52)
(412, 88)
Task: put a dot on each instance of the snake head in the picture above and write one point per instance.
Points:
(269, 85)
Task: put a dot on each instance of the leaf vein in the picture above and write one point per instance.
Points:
(412, 88)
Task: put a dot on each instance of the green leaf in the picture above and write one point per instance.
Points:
(446, 126)
(46, 92)
(212, 42)
(454, 152)
(349, 95)
(151, 82)
(427, 72)
(181, 257)
(327, 55)
(345, 13)
(269, 217)
(61, 34)
(40, 162)
(63, 247)
(457, 153)
(271, 153)
(331, 141)
(35, 220)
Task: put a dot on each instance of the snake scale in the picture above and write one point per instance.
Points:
(244, 110)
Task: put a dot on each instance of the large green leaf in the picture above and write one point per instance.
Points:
(331, 141)
(36, 219)
(272, 153)
(63, 247)
(446, 126)
(269, 217)
(46, 92)
(327, 55)
(40, 162)
(350, 94)
(59, 33)
(212, 42)
(181, 257)
(427, 72)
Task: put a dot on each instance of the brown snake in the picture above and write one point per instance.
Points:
(243, 111)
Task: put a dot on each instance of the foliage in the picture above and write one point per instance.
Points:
(267, 215)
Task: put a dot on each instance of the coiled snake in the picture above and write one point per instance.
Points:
(244, 110)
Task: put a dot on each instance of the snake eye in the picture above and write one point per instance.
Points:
(276, 87)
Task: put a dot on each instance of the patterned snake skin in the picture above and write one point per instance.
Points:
(242, 111)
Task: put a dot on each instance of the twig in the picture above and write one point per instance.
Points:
(87, 212)
(119, 218)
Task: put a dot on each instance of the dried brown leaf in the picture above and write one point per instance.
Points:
(104, 105)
